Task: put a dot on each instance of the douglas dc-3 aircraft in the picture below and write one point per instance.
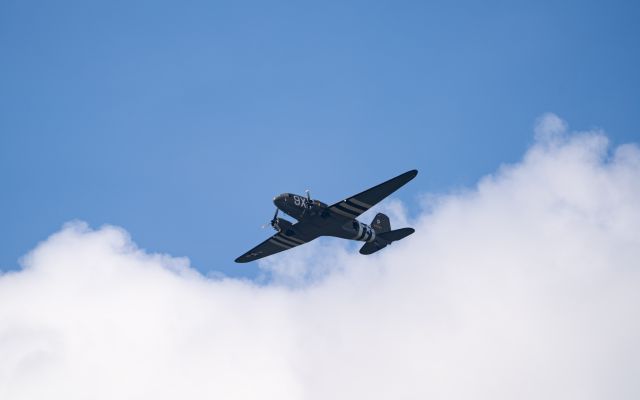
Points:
(339, 220)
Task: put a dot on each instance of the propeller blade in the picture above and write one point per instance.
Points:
(273, 221)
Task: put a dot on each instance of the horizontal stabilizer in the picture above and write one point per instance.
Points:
(371, 247)
(396, 234)
(385, 238)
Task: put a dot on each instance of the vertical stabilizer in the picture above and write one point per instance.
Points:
(381, 223)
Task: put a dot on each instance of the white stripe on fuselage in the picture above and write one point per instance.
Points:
(364, 234)
(360, 229)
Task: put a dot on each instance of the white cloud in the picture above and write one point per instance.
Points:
(525, 287)
(550, 127)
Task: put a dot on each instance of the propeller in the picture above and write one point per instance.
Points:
(309, 201)
(274, 221)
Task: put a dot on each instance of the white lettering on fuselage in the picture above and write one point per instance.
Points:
(300, 201)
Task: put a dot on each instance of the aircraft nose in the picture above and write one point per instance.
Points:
(279, 200)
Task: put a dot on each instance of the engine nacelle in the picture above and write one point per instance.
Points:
(363, 232)
(282, 225)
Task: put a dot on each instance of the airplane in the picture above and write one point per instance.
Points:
(316, 219)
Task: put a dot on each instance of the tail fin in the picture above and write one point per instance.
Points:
(385, 238)
(381, 223)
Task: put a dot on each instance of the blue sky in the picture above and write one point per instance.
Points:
(180, 121)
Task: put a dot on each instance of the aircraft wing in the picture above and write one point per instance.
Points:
(275, 244)
(361, 202)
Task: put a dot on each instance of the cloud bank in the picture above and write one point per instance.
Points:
(524, 287)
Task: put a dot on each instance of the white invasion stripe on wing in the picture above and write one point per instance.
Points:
(286, 241)
(343, 213)
(345, 205)
(360, 203)
(280, 244)
(293, 239)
